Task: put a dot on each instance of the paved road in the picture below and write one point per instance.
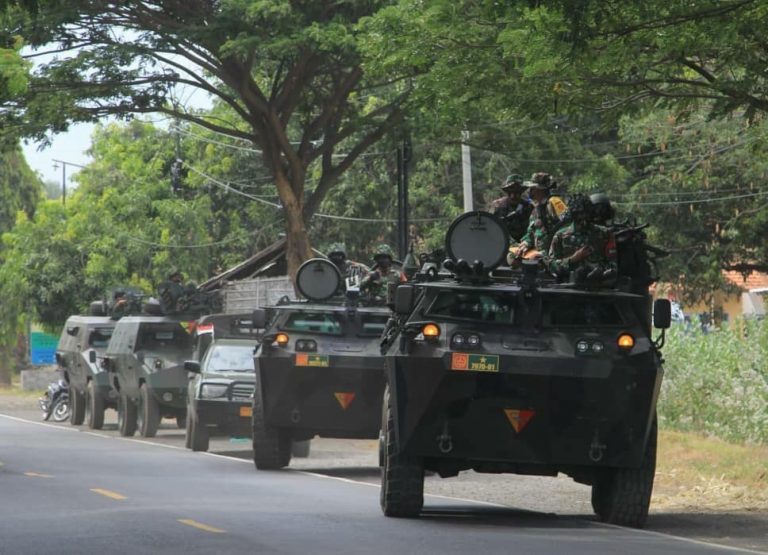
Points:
(66, 490)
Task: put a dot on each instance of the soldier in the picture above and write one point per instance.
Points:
(337, 253)
(377, 282)
(549, 213)
(583, 252)
(513, 208)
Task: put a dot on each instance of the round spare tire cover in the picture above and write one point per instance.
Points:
(318, 279)
(478, 236)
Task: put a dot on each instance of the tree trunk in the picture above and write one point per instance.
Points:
(6, 364)
(298, 247)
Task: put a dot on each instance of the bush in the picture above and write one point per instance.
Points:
(717, 383)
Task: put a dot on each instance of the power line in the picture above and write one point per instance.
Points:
(693, 201)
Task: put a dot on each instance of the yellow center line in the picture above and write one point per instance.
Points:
(201, 526)
(107, 493)
(37, 475)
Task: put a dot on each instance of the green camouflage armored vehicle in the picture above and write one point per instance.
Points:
(146, 360)
(79, 354)
(509, 371)
(318, 369)
(220, 394)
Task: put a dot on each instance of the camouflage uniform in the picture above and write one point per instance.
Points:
(337, 253)
(593, 245)
(513, 209)
(546, 216)
(377, 282)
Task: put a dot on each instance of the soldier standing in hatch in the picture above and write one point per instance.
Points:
(549, 213)
(602, 210)
(583, 252)
(337, 253)
(377, 282)
(513, 208)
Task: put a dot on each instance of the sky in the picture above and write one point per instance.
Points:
(69, 147)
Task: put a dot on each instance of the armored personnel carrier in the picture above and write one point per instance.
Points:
(219, 395)
(79, 353)
(500, 370)
(318, 369)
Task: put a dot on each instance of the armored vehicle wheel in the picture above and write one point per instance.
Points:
(181, 421)
(126, 416)
(148, 413)
(300, 449)
(402, 477)
(199, 438)
(271, 446)
(622, 495)
(94, 407)
(77, 403)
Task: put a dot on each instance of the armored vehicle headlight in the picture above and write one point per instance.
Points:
(458, 340)
(582, 346)
(212, 390)
(473, 340)
(158, 363)
(431, 332)
(282, 339)
(597, 347)
(625, 342)
(306, 345)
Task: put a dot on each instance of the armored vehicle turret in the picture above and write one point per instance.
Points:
(501, 370)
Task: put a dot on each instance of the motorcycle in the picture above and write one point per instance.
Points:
(55, 402)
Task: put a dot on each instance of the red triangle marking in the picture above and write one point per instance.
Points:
(519, 418)
(344, 399)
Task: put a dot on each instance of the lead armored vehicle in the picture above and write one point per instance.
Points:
(500, 370)
(220, 394)
(79, 353)
(318, 369)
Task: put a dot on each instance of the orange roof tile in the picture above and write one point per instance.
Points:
(754, 280)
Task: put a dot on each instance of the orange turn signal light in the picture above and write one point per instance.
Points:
(431, 331)
(625, 341)
(282, 339)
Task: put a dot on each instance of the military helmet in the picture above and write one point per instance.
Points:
(579, 205)
(602, 208)
(174, 273)
(541, 180)
(382, 251)
(337, 248)
(514, 181)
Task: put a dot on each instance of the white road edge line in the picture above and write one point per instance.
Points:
(348, 480)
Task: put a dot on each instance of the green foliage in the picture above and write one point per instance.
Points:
(20, 188)
(717, 383)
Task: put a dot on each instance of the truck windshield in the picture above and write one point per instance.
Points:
(372, 324)
(163, 337)
(565, 311)
(230, 358)
(486, 306)
(314, 322)
(99, 338)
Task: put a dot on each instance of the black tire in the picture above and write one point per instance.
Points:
(271, 446)
(77, 407)
(300, 449)
(188, 430)
(622, 496)
(199, 439)
(94, 407)
(402, 477)
(148, 413)
(126, 416)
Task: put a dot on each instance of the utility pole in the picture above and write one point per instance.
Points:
(404, 154)
(466, 172)
(64, 176)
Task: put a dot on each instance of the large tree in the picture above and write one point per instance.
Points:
(290, 71)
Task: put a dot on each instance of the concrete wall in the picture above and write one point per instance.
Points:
(39, 378)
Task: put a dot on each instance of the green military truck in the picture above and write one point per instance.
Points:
(220, 391)
(145, 358)
(79, 353)
(318, 368)
(509, 371)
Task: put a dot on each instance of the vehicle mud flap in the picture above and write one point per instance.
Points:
(94, 407)
(402, 477)
(77, 407)
(622, 496)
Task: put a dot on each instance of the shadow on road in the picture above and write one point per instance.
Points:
(349, 472)
(500, 516)
(748, 528)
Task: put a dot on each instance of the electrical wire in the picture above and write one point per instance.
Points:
(692, 201)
